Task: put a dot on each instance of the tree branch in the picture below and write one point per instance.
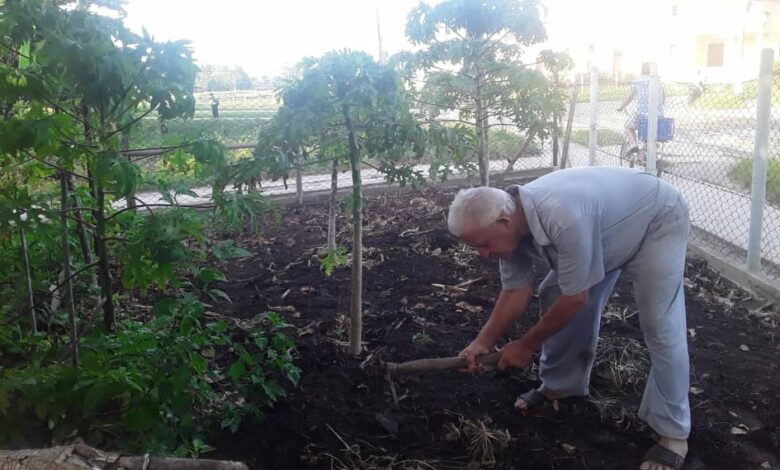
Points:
(56, 167)
(126, 91)
(431, 121)
(126, 126)
(73, 275)
(440, 105)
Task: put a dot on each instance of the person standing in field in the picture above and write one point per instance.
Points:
(214, 106)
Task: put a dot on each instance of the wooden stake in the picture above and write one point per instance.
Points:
(439, 363)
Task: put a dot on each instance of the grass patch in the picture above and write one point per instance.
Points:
(149, 132)
(605, 93)
(742, 174)
(503, 143)
(720, 97)
(605, 137)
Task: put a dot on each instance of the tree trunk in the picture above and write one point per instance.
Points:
(332, 208)
(569, 121)
(68, 287)
(104, 273)
(298, 181)
(130, 198)
(81, 229)
(28, 278)
(512, 160)
(356, 304)
(81, 457)
(482, 148)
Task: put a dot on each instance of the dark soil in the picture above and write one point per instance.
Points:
(342, 414)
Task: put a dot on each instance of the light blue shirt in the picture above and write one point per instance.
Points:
(642, 91)
(584, 222)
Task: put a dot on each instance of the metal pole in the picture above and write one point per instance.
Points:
(594, 102)
(652, 122)
(760, 150)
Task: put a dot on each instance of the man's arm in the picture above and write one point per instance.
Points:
(511, 304)
(554, 319)
(627, 100)
(519, 353)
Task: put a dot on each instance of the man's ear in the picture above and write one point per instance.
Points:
(504, 222)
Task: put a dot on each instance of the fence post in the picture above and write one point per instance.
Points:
(654, 96)
(760, 150)
(569, 121)
(594, 103)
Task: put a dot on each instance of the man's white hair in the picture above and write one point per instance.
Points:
(477, 208)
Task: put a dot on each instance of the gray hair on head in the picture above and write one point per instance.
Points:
(478, 208)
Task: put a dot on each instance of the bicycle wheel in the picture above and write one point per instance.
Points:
(632, 157)
(624, 148)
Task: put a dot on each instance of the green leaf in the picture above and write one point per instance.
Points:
(210, 275)
(226, 250)
(97, 395)
(141, 418)
(164, 307)
(237, 371)
(272, 390)
(24, 55)
(181, 403)
(218, 294)
(198, 363)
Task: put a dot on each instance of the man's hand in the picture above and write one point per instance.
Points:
(470, 353)
(515, 355)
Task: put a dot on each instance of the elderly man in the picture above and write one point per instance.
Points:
(585, 227)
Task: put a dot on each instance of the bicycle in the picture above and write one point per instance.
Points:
(631, 154)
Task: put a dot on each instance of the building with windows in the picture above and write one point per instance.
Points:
(718, 40)
(689, 40)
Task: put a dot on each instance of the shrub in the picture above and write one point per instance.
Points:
(742, 174)
(155, 386)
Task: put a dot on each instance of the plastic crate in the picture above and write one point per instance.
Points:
(665, 129)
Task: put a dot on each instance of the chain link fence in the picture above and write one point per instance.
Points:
(706, 145)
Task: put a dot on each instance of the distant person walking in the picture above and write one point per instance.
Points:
(214, 106)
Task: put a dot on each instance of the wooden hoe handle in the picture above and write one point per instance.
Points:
(439, 363)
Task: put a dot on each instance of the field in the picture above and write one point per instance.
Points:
(346, 414)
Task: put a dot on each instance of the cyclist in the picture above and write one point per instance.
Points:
(640, 89)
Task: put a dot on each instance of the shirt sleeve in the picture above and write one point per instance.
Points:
(516, 271)
(580, 255)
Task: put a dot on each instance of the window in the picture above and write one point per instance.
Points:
(674, 10)
(715, 54)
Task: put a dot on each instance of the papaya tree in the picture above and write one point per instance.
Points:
(469, 68)
(83, 79)
(346, 102)
(557, 63)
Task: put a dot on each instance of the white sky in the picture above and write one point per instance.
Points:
(266, 36)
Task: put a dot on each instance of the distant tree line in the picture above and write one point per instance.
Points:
(224, 78)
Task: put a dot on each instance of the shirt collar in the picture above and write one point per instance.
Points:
(531, 214)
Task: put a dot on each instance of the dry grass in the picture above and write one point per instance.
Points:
(484, 443)
(370, 457)
(623, 361)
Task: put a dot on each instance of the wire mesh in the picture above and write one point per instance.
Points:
(230, 117)
(709, 158)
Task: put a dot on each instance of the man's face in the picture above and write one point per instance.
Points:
(497, 240)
